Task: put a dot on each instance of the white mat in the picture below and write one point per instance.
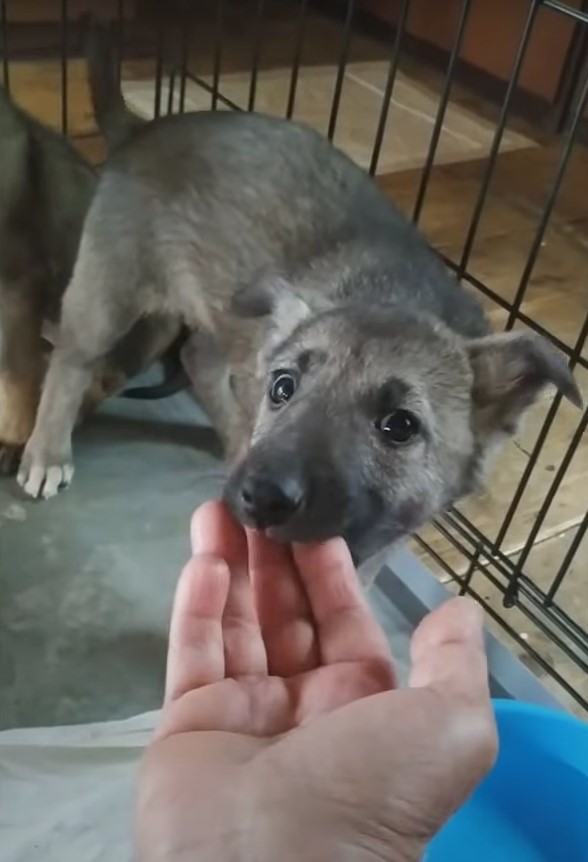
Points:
(67, 793)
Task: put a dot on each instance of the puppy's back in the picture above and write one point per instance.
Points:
(247, 193)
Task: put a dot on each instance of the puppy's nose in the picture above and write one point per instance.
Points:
(271, 502)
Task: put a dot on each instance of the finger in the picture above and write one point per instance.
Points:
(215, 532)
(346, 628)
(282, 607)
(196, 652)
(448, 652)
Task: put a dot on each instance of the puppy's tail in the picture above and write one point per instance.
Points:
(174, 380)
(116, 122)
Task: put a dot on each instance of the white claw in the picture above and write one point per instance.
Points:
(53, 482)
(31, 481)
(46, 482)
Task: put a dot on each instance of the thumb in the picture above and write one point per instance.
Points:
(448, 653)
(449, 665)
(400, 762)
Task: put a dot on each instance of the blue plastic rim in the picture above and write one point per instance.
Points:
(533, 807)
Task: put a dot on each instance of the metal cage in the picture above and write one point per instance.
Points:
(474, 558)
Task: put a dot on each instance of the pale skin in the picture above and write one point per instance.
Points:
(283, 736)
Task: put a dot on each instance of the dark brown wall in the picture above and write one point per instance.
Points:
(492, 36)
(48, 11)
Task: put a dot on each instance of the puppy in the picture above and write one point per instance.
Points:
(355, 384)
(45, 190)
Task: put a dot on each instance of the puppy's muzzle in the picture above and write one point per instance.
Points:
(289, 497)
(270, 502)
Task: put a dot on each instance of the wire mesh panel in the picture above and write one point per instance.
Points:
(503, 200)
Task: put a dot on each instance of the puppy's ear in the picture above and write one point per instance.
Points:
(272, 297)
(510, 371)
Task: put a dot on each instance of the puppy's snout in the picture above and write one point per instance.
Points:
(271, 502)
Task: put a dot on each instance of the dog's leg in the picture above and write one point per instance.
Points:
(209, 371)
(106, 381)
(146, 342)
(93, 320)
(21, 368)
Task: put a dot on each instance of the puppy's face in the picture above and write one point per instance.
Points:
(373, 421)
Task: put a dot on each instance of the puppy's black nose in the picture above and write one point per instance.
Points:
(271, 502)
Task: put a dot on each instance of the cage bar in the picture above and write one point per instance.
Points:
(534, 610)
(216, 95)
(171, 91)
(579, 15)
(546, 505)
(567, 561)
(120, 21)
(301, 31)
(503, 623)
(498, 569)
(495, 148)
(341, 69)
(549, 205)
(185, 47)
(159, 59)
(256, 55)
(5, 59)
(441, 110)
(64, 20)
(218, 48)
(390, 79)
(548, 422)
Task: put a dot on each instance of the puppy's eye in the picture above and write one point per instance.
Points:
(398, 427)
(282, 387)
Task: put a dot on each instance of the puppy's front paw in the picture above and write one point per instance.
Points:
(42, 476)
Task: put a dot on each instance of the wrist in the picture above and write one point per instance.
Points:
(293, 826)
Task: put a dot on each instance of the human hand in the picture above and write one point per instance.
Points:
(282, 736)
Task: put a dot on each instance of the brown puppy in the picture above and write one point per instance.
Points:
(45, 190)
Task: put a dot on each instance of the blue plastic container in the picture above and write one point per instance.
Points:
(533, 807)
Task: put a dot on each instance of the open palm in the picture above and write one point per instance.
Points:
(281, 636)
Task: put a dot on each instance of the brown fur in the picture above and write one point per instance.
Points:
(45, 190)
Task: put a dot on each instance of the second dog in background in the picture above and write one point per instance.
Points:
(45, 191)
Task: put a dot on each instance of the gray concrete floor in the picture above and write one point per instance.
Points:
(87, 579)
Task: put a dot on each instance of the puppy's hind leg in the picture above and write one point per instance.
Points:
(146, 342)
(94, 317)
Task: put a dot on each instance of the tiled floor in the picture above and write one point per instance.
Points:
(557, 294)
(409, 125)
